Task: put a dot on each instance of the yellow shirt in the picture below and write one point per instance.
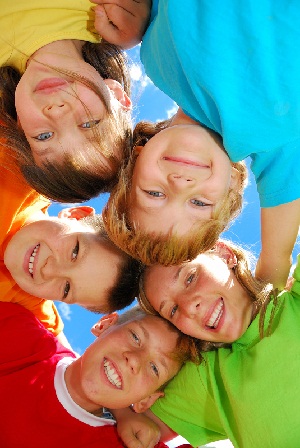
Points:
(18, 201)
(27, 25)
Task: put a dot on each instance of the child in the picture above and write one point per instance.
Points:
(65, 108)
(233, 69)
(58, 259)
(240, 391)
(52, 397)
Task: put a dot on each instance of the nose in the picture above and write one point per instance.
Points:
(56, 109)
(133, 361)
(190, 307)
(180, 182)
(50, 269)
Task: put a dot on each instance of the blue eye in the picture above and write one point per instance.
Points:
(90, 124)
(199, 203)
(135, 337)
(173, 310)
(66, 290)
(75, 251)
(156, 194)
(154, 369)
(44, 136)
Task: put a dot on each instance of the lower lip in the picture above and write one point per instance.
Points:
(181, 161)
(26, 260)
(50, 85)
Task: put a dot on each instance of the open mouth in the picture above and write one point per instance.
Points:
(32, 258)
(216, 315)
(112, 375)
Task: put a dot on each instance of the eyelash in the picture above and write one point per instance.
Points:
(199, 203)
(37, 137)
(91, 123)
(156, 194)
(135, 337)
(74, 256)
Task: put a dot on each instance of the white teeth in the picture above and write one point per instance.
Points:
(31, 259)
(111, 374)
(216, 315)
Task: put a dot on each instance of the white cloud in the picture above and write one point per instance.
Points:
(65, 310)
(172, 111)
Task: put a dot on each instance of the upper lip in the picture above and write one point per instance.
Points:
(183, 161)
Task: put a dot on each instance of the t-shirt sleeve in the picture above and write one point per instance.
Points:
(188, 409)
(277, 174)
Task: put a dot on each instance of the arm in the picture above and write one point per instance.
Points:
(279, 230)
(122, 22)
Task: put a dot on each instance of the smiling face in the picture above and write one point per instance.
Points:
(127, 363)
(59, 114)
(202, 298)
(179, 177)
(61, 259)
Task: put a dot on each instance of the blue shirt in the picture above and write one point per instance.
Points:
(234, 66)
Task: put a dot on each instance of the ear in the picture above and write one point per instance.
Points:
(146, 403)
(119, 93)
(104, 323)
(226, 253)
(76, 212)
(235, 182)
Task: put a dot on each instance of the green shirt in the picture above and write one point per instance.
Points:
(250, 393)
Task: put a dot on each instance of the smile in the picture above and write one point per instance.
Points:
(181, 161)
(216, 315)
(112, 375)
(31, 259)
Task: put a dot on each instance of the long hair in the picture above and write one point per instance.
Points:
(85, 177)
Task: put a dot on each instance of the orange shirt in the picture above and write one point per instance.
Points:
(18, 201)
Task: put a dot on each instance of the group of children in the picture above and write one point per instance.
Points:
(174, 187)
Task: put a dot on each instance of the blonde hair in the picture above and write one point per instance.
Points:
(160, 248)
(259, 291)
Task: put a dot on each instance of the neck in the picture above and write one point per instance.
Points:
(73, 383)
(181, 118)
(67, 48)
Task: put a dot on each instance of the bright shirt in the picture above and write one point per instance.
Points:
(234, 67)
(250, 393)
(39, 410)
(18, 201)
(26, 26)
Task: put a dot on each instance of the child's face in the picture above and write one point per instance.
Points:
(128, 362)
(202, 298)
(57, 113)
(61, 259)
(180, 175)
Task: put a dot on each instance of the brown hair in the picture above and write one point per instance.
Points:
(81, 179)
(260, 292)
(166, 249)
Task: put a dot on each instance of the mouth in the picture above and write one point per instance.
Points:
(50, 85)
(216, 315)
(112, 375)
(32, 259)
(182, 161)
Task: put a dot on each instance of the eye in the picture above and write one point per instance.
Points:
(66, 290)
(135, 337)
(190, 278)
(75, 251)
(90, 124)
(154, 369)
(173, 311)
(156, 194)
(44, 136)
(199, 203)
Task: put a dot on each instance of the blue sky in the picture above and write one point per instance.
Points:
(151, 104)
